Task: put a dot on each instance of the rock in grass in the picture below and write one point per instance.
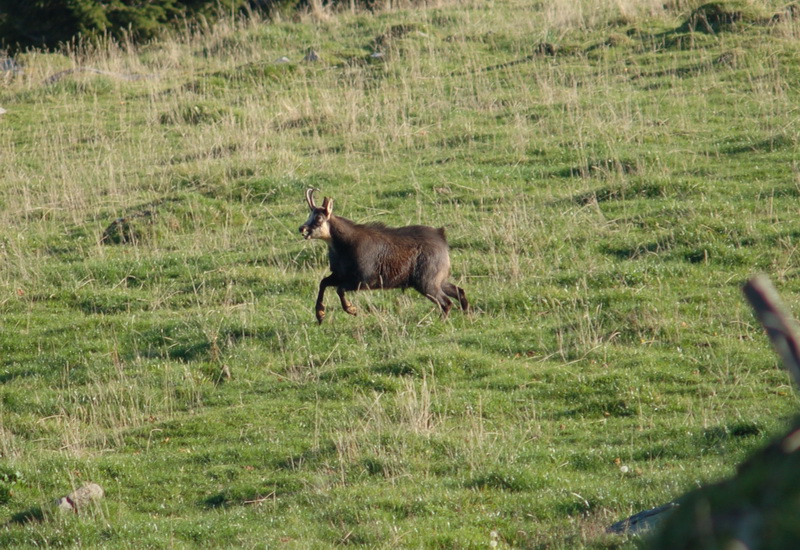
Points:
(643, 522)
(80, 498)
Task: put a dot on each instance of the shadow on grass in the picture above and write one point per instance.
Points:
(31, 515)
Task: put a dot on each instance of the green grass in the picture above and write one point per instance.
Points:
(604, 201)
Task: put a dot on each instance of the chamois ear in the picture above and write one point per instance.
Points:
(327, 206)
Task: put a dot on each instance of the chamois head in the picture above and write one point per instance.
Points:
(317, 225)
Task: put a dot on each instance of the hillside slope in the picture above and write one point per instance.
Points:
(608, 177)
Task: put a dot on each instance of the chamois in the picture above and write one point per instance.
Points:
(373, 256)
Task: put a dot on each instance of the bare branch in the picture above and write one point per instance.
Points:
(776, 320)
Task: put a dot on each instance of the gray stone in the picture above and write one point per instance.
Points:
(643, 521)
(80, 498)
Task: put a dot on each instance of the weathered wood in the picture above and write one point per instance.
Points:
(777, 321)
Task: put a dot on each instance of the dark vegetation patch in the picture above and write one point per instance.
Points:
(216, 152)
(386, 40)
(670, 247)
(263, 491)
(381, 466)
(602, 396)
(107, 303)
(9, 477)
(402, 508)
(509, 478)
(790, 12)
(441, 366)
(637, 249)
(82, 84)
(466, 139)
(195, 114)
(730, 59)
(31, 515)
(715, 17)
(315, 123)
(601, 407)
(259, 72)
(60, 22)
(5, 494)
(127, 230)
(670, 448)
(614, 40)
(175, 341)
(778, 142)
(603, 168)
(367, 381)
(308, 458)
(638, 189)
(545, 49)
(732, 431)
(682, 41)
(261, 189)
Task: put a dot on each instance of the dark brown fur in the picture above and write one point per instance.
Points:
(373, 256)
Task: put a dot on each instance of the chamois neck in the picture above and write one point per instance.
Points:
(342, 230)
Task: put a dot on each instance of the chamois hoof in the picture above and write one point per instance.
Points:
(351, 310)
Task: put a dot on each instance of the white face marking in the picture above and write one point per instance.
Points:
(317, 226)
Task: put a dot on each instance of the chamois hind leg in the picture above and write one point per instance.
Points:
(330, 280)
(456, 292)
(441, 300)
(346, 305)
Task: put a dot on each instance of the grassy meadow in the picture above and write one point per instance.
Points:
(608, 178)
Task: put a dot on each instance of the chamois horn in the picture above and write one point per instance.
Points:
(310, 198)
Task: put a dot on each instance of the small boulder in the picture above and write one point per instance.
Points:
(80, 498)
(643, 521)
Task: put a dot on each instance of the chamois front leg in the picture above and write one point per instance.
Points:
(346, 305)
(330, 280)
